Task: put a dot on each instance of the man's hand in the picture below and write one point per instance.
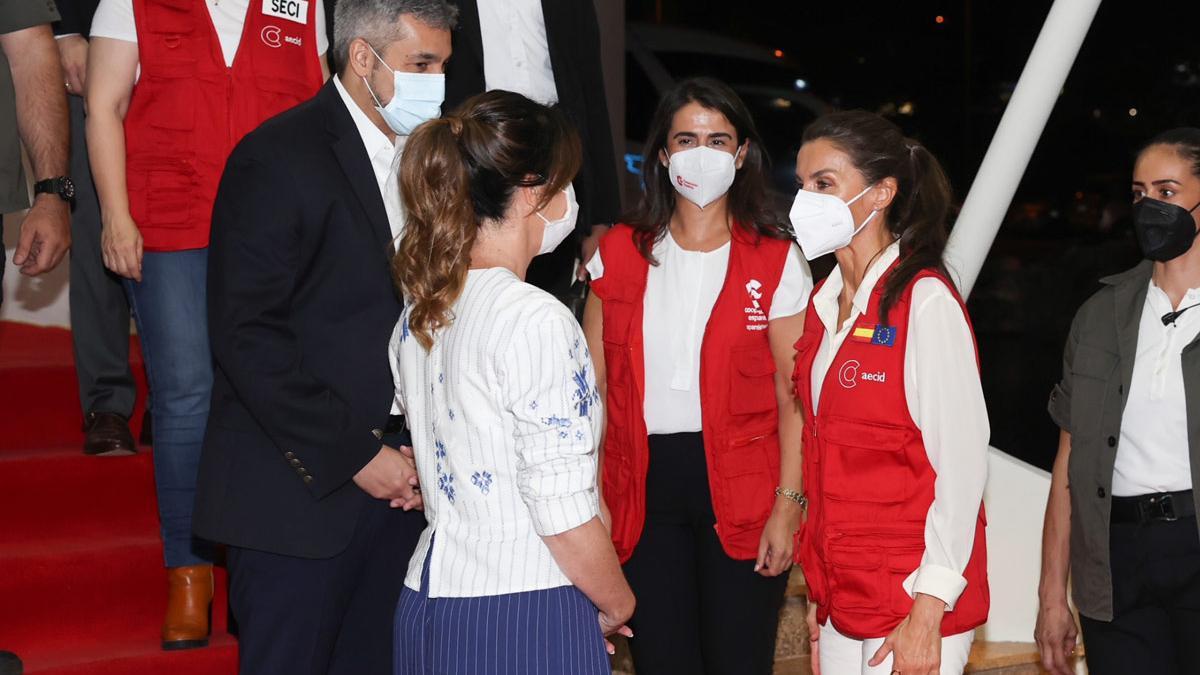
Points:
(73, 50)
(916, 644)
(121, 247)
(1055, 634)
(45, 236)
(418, 501)
(588, 248)
(389, 475)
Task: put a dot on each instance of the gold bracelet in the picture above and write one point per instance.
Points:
(792, 495)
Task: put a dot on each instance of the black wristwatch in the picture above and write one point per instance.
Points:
(62, 186)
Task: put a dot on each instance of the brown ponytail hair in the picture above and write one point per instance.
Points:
(919, 212)
(458, 174)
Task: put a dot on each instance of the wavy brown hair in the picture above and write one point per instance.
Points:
(748, 194)
(458, 174)
(920, 210)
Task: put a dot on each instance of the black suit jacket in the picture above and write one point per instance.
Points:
(76, 17)
(573, 36)
(301, 309)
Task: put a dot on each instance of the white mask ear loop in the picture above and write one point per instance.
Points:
(874, 212)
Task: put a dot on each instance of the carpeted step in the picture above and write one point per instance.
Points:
(39, 393)
(143, 657)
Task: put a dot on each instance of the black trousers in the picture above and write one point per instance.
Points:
(699, 612)
(298, 616)
(98, 306)
(1156, 603)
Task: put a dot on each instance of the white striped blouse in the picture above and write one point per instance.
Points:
(505, 419)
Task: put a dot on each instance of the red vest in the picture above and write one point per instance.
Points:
(869, 481)
(737, 391)
(188, 109)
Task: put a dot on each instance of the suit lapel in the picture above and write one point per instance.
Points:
(356, 165)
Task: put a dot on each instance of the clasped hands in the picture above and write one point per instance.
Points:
(392, 475)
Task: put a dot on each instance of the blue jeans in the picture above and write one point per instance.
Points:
(171, 311)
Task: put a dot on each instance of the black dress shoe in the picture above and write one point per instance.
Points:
(107, 434)
(10, 664)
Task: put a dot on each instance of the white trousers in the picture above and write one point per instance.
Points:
(841, 655)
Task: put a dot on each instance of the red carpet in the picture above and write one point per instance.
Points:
(82, 588)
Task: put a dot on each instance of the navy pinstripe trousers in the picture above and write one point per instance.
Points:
(549, 632)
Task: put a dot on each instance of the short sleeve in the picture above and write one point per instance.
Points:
(114, 20)
(795, 286)
(550, 391)
(1060, 396)
(322, 34)
(595, 266)
(18, 15)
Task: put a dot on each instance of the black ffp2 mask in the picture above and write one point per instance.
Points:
(1164, 231)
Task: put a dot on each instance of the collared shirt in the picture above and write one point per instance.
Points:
(114, 19)
(516, 54)
(1152, 455)
(385, 159)
(680, 293)
(506, 419)
(945, 399)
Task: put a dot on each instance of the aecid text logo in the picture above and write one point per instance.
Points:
(849, 377)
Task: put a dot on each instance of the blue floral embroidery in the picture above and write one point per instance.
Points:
(440, 449)
(533, 405)
(579, 434)
(451, 415)
(446, 485)
(554, 421)
(585, 395)
(404, 328)
(482, 480)
(441, 378)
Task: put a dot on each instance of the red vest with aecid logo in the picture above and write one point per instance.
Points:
(188, 109)
(869, 480)
(740, 415)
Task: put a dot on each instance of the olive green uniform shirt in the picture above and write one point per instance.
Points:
(1088, 403)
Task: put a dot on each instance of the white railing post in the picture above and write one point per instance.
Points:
(1020, 127)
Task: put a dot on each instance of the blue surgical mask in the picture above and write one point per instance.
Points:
(417, 99)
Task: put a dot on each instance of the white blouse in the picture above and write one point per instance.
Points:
(1153, 453)
(505, 418)
(680, 293)
(945, 400)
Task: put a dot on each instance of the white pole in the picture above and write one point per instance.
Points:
(1018, 133)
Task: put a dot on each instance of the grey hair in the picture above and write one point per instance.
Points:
(376, 22)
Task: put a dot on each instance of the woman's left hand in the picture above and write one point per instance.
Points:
(916, 644)
(776, 545)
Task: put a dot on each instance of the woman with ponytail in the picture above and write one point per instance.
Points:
(895, 426)
(515, 572)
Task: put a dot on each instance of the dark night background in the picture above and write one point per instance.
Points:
(946, 83)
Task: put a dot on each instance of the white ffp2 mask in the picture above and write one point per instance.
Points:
(823, 223)
(559, 229)
(701, 175)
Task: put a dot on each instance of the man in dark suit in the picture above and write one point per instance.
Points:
(549, 51)
(302, 475)
(99, 308)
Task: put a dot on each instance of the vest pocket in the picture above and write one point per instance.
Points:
(748, 469)
(752, 382)
(865, 461)
(856, 580)
(170, 17)
(868, 567)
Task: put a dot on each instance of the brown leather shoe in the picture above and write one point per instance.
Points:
(189, 607)
(107, 434)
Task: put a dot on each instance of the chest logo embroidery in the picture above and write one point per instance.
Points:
(272, 36)
(848, 374)
(756, 318)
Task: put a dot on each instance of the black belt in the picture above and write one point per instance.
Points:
(395, 424)
(1164, 506)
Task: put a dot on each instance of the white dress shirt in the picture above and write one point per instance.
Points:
(516, 55)
(680, 293)
(385, 159)
(505, 417)
(114, 19)
(945, 400)
(1153, 453)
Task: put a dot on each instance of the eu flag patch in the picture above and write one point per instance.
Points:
(884, 335)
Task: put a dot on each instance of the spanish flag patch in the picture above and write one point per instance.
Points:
(876, 335)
